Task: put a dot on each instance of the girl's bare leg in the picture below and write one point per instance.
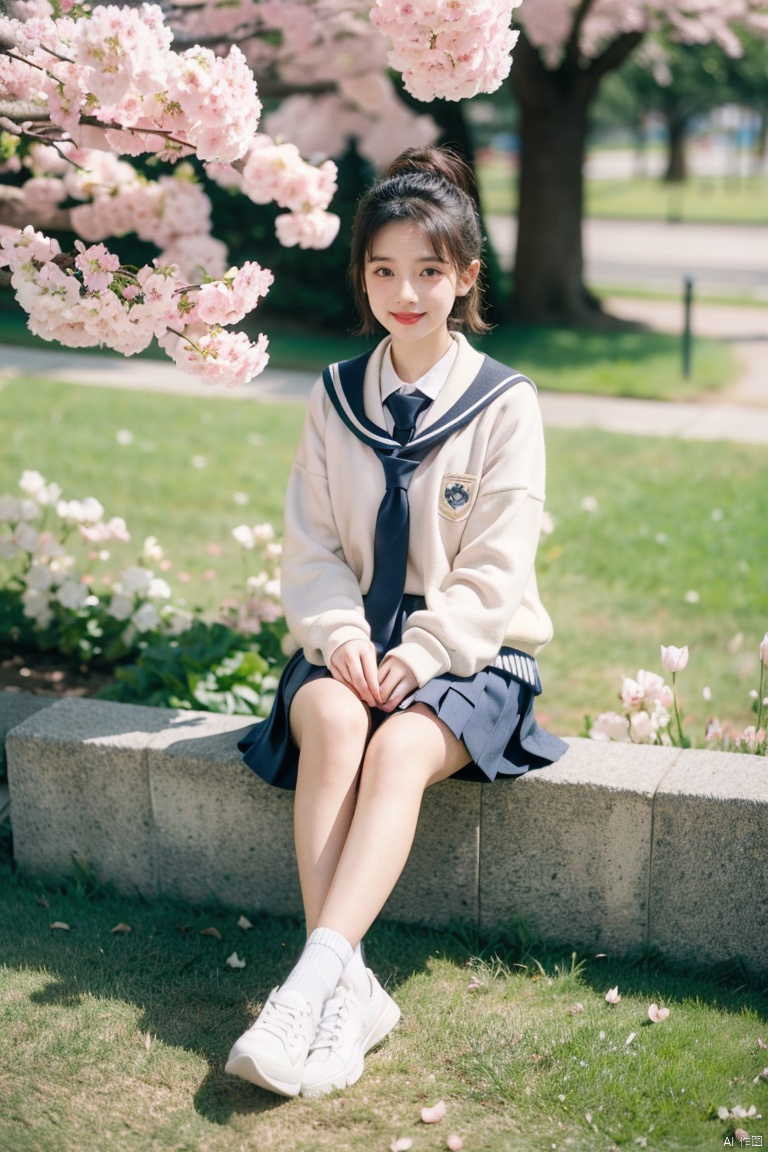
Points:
(330, 726)
(411, 751)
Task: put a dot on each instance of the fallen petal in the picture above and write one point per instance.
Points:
(761, 1043)
(657, 1014)
(723, 1113)
(740, 1135)
(212, 932)
(629, 1039)
(122, 928)
(400, 1145)
(244, 923)
(454, 1142)
(234, 961)
(59, 924)
(612, 995)
(574, 1009)
(433, 1115)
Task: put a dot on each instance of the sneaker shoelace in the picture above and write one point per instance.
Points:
(334, 1014)
(283, 1020)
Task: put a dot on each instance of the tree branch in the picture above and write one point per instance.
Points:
(614, 55)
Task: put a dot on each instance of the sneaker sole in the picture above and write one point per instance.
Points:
(247, 1068)
(385, 1022)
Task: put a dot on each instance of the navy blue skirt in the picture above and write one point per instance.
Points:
(492, 712)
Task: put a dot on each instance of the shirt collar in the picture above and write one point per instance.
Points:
(430, 383)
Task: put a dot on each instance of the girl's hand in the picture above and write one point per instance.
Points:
(396, 681)
(355, 664)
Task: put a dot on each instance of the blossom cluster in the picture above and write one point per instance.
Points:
(448, 48)
(648, 706)
(65, 596)
(115, 66)
(93, 300)
(261, 604)
(277, 172)
(35, 531)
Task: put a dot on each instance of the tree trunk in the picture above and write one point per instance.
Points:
(554, 110)
(677, 132)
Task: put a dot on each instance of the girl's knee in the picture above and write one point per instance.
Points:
(325, 711)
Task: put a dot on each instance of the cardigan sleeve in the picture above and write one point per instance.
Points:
(468, 612)
(321, 596)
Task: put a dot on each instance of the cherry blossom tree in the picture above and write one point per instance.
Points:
(85, 88)
(565, 49)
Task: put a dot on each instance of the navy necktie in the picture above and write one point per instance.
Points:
(390, 546)
(405, 410)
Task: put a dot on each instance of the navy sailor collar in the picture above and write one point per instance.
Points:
(344, 385)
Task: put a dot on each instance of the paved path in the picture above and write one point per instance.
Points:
(741, 415)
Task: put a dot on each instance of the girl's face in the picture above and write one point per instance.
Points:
(411, 291)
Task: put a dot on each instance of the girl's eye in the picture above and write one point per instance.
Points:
(432, 272)
(382, 271)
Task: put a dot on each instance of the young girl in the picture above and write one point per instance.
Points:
(411, 524)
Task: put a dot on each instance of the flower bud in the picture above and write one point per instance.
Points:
(674, 659)
(764, 650)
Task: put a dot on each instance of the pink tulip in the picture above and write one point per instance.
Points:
(657, 1014)
(764, 651)
(674, 659)
(612, 996)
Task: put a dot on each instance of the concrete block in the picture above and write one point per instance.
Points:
(565, 850)
(709, 879)
(222, 834)
(15, 707)
(80, 788)
(439, 884)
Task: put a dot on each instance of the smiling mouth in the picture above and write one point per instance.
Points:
(408, 317)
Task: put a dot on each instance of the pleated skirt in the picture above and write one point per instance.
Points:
(492, 712)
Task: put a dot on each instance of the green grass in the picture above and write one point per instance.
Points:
(707, 200)
(118, 1041)
(672, 518)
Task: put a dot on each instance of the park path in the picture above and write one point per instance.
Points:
(739, 414)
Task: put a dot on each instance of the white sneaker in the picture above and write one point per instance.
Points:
(349, 1028)
(273, 1051)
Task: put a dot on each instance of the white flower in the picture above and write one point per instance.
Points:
(642, 728)
(8, 548)
(151, 550)
(10, 509)
(272, 588)
(263, 533)
(120, 606)
(72, 594)
(674, 659)
(135, 579)
(36, 606)
(244, 536)
(180, 621)
(158, 589)
(589, 504)
(145, 618)
(124, 437)
(240, 498)
(691, 597)
(610, 726)
(199, 462)
(764, 650)
(88, 511)
(31, 483)
(41, 577)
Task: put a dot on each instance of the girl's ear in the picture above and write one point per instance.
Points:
(467, 278)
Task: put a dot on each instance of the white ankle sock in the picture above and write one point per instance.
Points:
(317, 971)
(356, 974)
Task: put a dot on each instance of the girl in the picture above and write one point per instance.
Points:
(412, 518)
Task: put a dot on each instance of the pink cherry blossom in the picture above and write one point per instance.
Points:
(314, 229)
(434, 1114)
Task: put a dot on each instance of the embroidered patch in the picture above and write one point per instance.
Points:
(457, 495)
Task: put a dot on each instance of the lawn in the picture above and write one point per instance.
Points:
(116, 1040)
(655, 541)
(709, 200)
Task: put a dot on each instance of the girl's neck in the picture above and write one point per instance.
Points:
(412, 361)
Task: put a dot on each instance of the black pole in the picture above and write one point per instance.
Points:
(687, 336)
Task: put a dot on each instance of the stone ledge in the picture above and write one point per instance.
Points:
(617, 848)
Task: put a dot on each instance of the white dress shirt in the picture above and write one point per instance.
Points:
(430, 383)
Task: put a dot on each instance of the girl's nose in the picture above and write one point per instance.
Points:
(407, 292)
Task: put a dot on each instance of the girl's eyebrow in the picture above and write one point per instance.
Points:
(419, 259)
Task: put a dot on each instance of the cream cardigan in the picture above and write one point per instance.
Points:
(474, 564)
